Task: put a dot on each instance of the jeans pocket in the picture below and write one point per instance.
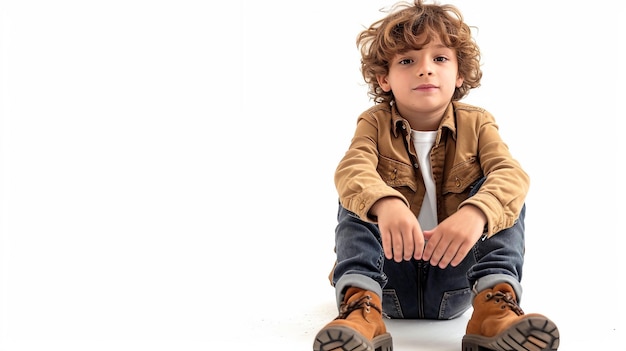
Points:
(455, 303)
(391, 304)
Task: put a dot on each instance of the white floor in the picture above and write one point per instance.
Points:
(247, 303)
(582, 325)
(582, 328)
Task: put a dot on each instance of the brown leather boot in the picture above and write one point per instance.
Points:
(359, 326)
(499, 324)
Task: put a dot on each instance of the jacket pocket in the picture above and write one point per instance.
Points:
(396, 174)
(461, 176)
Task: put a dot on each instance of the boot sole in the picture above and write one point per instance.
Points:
(529, 334)
(340, 338)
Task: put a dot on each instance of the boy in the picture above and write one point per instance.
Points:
(431, 213)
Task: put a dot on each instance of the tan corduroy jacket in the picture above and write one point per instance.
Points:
(381, 162)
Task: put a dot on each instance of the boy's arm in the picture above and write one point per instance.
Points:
(503, 193)
(356, 178)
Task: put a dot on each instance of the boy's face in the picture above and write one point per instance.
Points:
(423, 82)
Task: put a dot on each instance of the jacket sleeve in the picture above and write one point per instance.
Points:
(503, 193)
(357, 180)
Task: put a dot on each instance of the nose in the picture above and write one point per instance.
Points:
(424, 69)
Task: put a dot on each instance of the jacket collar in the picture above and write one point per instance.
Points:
(401, 125)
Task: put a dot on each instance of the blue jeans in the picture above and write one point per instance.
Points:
(414, 289)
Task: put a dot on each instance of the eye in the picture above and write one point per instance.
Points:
(440, 59)
(405, 61)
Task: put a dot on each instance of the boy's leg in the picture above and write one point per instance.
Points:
(497, 322)
(358, 280)
(360, 255)
(499, 259)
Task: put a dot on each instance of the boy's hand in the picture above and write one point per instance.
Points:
(452, 239)
(400, 232)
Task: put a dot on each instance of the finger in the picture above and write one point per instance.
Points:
(439, 252)
(418, 244)
(385, 237)
(460, 255)
(430, 247)
(428, 234)
(398, 249)
(408, 243)
(448, 255)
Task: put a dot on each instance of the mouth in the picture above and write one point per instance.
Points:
(425, 87)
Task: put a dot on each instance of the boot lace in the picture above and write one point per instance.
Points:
(508, 299)
(363, 303)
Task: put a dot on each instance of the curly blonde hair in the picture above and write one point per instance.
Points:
(399, 32)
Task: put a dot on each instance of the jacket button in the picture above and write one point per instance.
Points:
(361, 206)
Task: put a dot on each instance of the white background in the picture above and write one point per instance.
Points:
(167, 166)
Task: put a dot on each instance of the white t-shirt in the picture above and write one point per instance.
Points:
(423, 142)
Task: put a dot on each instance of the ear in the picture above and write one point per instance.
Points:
(384, 83)
(459, 81)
